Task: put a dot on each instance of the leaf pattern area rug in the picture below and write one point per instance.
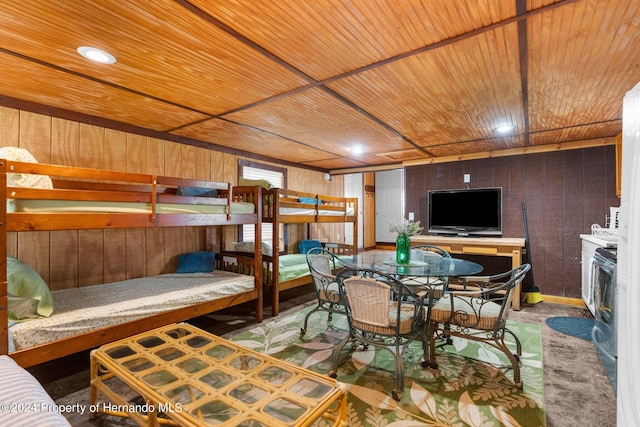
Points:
(472, 387)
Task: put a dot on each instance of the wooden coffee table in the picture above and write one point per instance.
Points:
(181, 375)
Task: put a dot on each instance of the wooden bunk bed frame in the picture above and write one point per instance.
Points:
(284, 206)
(85, 184)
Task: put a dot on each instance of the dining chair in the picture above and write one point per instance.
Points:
(382, 312)
(322, 266)
(435, 283)
(478, 311)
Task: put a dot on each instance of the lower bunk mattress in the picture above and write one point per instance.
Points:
(88, 308)
(293, 266)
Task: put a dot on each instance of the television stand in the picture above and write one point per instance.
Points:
(510, 247)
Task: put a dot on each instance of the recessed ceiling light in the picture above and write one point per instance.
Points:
(503, 129)
(97, 55)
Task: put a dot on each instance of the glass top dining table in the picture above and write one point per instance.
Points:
(427, 266)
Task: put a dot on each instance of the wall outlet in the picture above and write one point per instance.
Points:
(411, 216)
(467, 178)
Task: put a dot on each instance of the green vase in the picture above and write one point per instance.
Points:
(403, 249)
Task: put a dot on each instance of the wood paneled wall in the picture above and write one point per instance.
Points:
(75, 258)
(564, 193)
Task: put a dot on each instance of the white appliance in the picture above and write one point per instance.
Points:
(590, 243)
(628, 267)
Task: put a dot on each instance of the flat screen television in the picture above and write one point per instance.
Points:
(465, 212)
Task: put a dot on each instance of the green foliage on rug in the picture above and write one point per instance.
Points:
(473, 387)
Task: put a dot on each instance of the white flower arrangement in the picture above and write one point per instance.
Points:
(405, 226)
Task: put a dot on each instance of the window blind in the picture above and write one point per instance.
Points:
(276, 179)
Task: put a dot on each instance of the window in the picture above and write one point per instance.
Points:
(277, 177)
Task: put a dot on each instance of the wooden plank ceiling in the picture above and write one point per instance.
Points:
(305, 81)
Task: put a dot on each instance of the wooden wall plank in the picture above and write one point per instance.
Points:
(136, 153)
(174, 245)
(194, 237)
(203, 161)
(115, 150)
(229, 168)
(216, 167)
(136, 253)
(91, 257)
(33, 249)
(172, 159)
(92, 142)
(189, 161)
(9, 127)
(155, 156)
(35, 135)
(12, 244)
(155, 251)
(64, 254)
(65, 140)
(115, 255)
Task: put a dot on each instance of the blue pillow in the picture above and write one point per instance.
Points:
(310, 200)
(196, 262)
(305, 245)
(196, 192)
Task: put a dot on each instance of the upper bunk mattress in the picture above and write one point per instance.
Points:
(321, 212)
(68, 206)
(88, 308)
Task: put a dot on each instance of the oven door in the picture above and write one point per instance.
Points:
(603, 275)
(604, 329)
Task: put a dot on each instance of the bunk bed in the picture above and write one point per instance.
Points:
(284, 270)
(73, 198)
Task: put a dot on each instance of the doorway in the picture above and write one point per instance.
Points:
(389, 202)
(354, 187)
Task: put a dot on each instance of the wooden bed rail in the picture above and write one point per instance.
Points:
(340, 248)
(343, 209)
(78, 178)
(88, 184)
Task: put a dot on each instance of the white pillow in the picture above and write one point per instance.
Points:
(249, 247)
(24, 179)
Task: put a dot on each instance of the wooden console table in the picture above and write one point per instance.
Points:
(490, 246)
